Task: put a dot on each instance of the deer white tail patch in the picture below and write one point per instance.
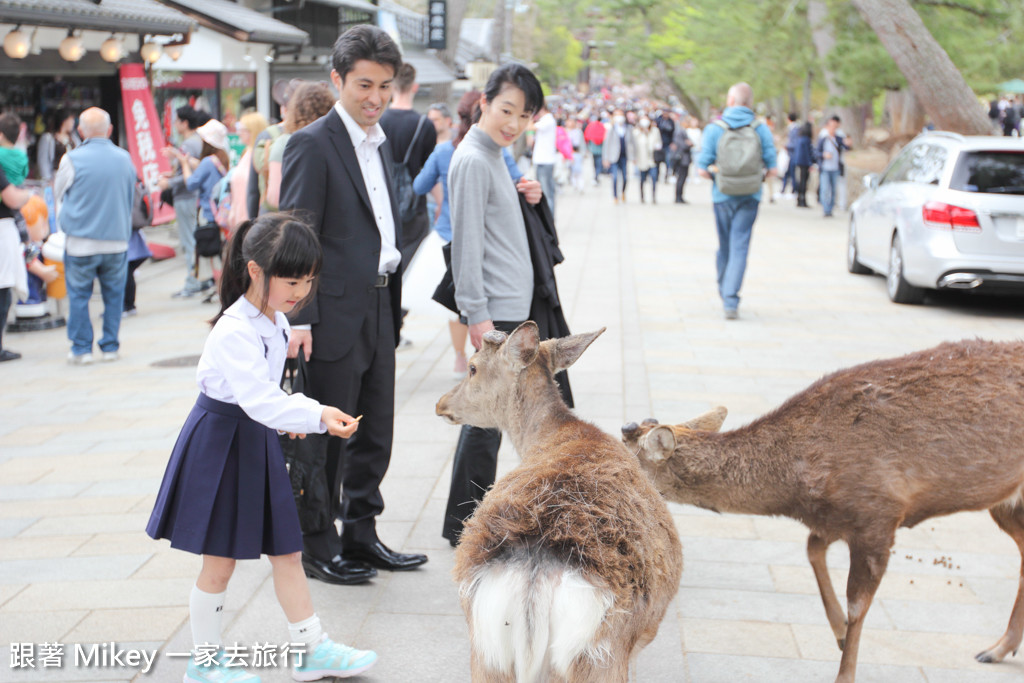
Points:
(535, 619)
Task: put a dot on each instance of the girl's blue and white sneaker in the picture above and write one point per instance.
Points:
(217, 673)
(333, 659)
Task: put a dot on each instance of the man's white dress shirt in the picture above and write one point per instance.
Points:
(372, 167)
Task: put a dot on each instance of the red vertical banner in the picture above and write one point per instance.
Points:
(145, 138)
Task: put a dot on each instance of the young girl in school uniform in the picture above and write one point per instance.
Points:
(226, 493)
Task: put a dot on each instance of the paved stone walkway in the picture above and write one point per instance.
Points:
(82, 451)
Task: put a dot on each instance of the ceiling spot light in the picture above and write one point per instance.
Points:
(150, 52)
(16, 44)
(112, 49)
(71, 48)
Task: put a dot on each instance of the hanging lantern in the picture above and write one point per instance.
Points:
(71, 48)
(150, 52)
(16, 44)
(173, 51)
(112, 50)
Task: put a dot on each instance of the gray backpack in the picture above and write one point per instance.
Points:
(738, 157)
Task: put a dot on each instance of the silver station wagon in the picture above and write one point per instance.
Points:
(947, 213)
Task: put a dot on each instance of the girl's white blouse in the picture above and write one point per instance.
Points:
(242, 363)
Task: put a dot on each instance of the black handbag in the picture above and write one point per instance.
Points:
(444, 293)
(208, 240)
(306, 460)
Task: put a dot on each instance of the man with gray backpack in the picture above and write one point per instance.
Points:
(736, 152)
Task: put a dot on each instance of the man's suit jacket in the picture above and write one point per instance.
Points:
(321, 181)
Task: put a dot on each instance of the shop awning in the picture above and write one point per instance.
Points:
(361, 5)
(238, 22)
(429, 69)
(129, 16)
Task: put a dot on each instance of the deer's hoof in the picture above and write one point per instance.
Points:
(987, 657)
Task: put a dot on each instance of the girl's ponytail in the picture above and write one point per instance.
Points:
(234, 277)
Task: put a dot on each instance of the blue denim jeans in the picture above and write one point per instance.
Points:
(734, 219)
(186, 212)
(829, 184)
(618, 170)
(79, 272)
(546, 177)
(790, 176)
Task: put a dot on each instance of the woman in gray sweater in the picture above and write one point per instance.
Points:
(490, 256)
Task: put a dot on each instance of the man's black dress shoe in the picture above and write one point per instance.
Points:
(382, 557)
(339, 570)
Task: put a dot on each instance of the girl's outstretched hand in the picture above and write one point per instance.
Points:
(339, 423)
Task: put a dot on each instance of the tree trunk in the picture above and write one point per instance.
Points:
(906, 115)
(932, 76)
(805, 105)
(824, 39)
(498, 34)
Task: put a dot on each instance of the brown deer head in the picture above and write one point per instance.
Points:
(507, 370)
(655, 444)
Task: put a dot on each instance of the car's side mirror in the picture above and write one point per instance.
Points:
(870, 181)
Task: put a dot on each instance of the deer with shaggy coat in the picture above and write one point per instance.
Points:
(567, 567)
(860, 453)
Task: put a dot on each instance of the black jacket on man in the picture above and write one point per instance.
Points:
(354, 323)
(318, 157)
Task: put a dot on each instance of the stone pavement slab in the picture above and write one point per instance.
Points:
(82, 451)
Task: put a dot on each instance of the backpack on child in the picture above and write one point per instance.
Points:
(739, 160)
(407, 197)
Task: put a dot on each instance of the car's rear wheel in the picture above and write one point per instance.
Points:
(900, 291)
(852, 264)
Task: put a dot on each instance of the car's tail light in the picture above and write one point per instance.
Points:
(948, 217)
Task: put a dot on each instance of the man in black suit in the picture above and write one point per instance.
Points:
(336, 174)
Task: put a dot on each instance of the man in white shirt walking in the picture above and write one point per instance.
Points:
(545, 155)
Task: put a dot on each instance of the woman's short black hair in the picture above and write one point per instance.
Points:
(364, 42)
(521, 77)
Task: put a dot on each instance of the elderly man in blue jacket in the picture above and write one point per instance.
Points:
(736, 191)
(94, 188)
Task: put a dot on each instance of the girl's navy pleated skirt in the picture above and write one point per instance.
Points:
(226, 490)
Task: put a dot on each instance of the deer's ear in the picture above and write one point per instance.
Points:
(567, 350)
(710, 421)
(660, 444)
(523, 344)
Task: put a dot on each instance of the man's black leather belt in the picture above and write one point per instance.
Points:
(382, 280)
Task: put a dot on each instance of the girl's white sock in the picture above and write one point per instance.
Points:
(205, 612)
(307, 631)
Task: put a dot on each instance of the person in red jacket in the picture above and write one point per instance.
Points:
(594, 136)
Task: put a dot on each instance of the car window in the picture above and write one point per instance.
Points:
(897, 171)
(927, 162)
(991, 172)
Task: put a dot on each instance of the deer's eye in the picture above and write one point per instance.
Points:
(472, 369)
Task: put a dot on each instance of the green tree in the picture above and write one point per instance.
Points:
(559, 55)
